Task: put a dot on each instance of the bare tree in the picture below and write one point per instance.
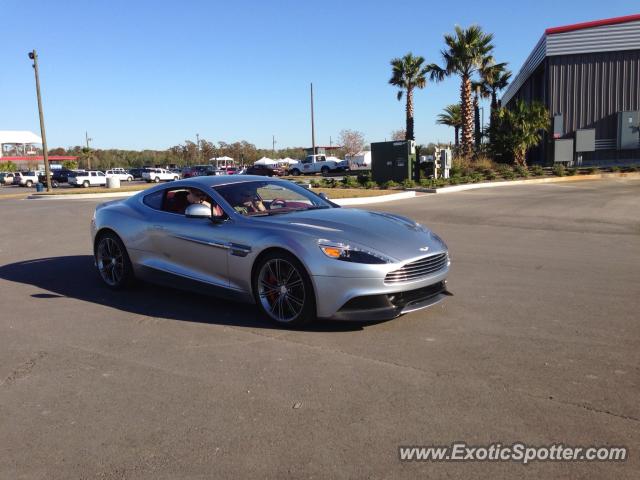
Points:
(352, 141)
(398, 134)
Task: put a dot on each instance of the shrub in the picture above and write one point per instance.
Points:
(615, 169)
(633, 168)
(559, 170)
(329, 182)
(426, 182)
(388, 184)
(409, 183)
(537, 171)
(489, 174)
(314, 183)
(572, 171)
(521, 171)
(364, 178)
(349, 182)
(482, 162)
(592, 170)
(454, 180)
(371, 184)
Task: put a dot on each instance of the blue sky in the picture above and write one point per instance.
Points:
(150, 74)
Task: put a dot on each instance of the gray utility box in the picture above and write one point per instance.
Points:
(586, 140)
(628, 130)
(393, 160)
(563, 151)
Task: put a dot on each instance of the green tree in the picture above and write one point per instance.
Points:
(451, 117)
(70, 164)
(10, 167)
(408, 73)
(468, 51)
(520, 128)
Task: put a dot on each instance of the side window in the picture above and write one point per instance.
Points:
(100, 174)
(93, 174)
(154, 200)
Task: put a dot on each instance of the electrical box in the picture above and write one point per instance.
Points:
(586, 140)
(558, 126)
(563, 151)
(628, 128)
(393, 160)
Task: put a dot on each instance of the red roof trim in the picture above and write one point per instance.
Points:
(595, 23)
(37, 158)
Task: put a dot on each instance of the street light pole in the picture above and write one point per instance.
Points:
(34, 56)
(273, 145)
(87, 140)
(313, 128)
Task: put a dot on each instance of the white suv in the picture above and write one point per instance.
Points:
(88, 179)
(159, 174)
(119, 173)
(25, 179)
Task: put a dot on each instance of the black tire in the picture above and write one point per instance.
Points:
(119, 274)
(324, 170)
(300, 306)
(295, 172)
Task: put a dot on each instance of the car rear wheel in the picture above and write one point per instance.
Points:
(283, 291)
(157, 179)
(129, 179)
(295, 172)
(175, 179)
(324, 170)
(112, 261)
(29, 183)
(85, 184)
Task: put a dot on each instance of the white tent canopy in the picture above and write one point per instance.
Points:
(19, 136)
(288, 161)
(224, 158)
(265, 161)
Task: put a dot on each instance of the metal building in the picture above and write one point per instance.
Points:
(588, 77)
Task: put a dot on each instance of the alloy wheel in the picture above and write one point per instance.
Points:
(281, 290)
(110, 261)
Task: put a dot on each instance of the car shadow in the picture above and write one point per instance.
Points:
(76, 277)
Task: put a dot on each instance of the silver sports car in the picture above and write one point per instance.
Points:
(294, 253)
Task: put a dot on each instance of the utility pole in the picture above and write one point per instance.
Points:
(273, 146)
(87, 140)
(313, 128)
(34, 56)
(197, 148)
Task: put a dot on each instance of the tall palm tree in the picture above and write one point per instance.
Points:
(408, 73)
(468, 51)
(451, 118)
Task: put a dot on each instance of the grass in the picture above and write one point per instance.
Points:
(353, 192)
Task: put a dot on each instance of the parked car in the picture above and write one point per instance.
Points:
(137, 172)
(121, 173)
(62, 175)
(25, 179)
(265, 171)
(159, 175)
(42, 178)
(318, 164)
(6, 178)
(293, 253)
(92, 178)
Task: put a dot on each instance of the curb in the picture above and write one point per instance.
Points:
(533, 181)
(377, 199)
(81, 196)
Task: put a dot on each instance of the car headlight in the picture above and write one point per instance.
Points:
(351, 253)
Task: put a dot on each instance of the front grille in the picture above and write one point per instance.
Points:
(418, 269)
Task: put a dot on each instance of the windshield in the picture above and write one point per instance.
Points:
(269, 197)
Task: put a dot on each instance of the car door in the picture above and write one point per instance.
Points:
(196, 248)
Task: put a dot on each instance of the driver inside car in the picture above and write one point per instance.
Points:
(248, 202)
(196, 196)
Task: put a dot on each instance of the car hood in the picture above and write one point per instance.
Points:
(393, 235)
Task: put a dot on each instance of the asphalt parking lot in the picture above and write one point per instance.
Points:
(540, 343)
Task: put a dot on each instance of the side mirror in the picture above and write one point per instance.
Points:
(323, 196)
(197, 210)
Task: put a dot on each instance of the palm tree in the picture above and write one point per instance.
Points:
(408, 73)
(468, 51)
(495, 78)
(519, 128)
(451, 118)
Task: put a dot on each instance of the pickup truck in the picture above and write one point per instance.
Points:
(120, 173)
(88, 179)
(317, 164)
(159, 174)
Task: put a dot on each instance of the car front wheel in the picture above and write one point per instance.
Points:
(112, 261)
(283, 291)
(85, 184)
(157, 179)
